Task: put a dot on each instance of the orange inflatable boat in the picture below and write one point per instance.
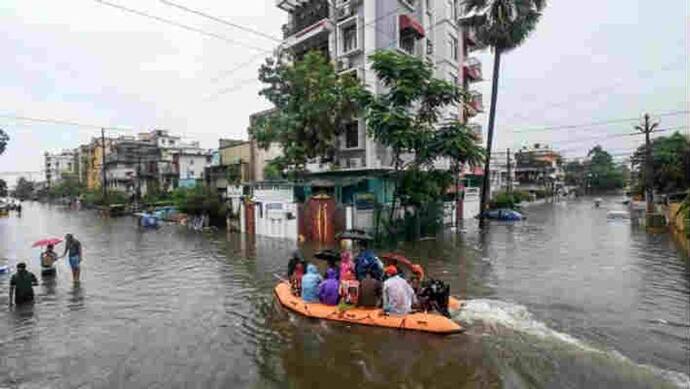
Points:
(427, 322)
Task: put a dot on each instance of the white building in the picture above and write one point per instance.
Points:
(348, 31)
(58, 164)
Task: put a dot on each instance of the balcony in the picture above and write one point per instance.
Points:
(472, 69)
(476, 104)
(300, 37)
(290, 5)
(476, 129)
(471, 41)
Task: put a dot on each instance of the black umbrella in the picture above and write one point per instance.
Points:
(354, 235)
(327, 255)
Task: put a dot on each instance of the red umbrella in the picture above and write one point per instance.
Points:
(46, 242)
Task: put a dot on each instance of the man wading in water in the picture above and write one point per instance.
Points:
(73, 246)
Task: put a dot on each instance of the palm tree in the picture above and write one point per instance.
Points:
(458, 142)
(502, 25)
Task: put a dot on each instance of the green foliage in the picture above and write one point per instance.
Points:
(24, 189)
(503, 24)
(4, 139)
(457, 142)
(3, 188)
(602, 173)
(510, 200)
(670, 163)
(154, 194)
(68, 186)
(403, 118)
(95, 197)
(199, 200)
(419, 188)
(273, 170)
(312, 102)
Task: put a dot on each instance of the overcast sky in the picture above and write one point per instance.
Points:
(83, 61)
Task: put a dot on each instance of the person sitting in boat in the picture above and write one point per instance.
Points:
(328, 289)
(370, 290)
(346, 263)
(367, 261)
(398, 295)
(48, 259)
(310, 284)
(349, 288)
(332, 265)
(295, 258)
(296, 279)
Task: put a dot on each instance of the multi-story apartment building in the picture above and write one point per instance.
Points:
(348, 31)
(169, 169)
(57, 165)
(132, 165)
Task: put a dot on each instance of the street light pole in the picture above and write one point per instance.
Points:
(647, 127)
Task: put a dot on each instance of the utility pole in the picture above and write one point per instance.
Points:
(105, 179)
(509, 178)
(647, 127)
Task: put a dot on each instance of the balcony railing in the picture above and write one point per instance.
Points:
(476, 103)
(472, 69)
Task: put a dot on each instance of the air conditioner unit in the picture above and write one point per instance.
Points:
(344, 64)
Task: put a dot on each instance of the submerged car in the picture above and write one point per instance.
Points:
(505, 214)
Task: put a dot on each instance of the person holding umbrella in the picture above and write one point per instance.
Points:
(73, 247)
(48, 257)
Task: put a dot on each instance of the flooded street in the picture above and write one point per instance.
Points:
(565, 299)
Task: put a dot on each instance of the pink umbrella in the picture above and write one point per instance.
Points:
(46, 242)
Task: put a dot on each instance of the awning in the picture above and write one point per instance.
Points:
(409, 23)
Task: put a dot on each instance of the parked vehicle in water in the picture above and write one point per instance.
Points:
(504, 214)
(618, 215)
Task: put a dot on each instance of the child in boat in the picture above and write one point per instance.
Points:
(310, 284)
(296, 279)
(349, 288)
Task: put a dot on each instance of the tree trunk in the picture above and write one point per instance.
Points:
(490, 137)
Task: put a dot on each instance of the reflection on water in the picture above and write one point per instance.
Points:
(564, 299)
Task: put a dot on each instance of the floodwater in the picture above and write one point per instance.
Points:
(565, 299)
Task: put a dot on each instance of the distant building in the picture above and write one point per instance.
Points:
(539, 168)
(132, 165)
(58, 165)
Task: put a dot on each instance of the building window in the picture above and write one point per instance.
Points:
(453, 78)
(454, 10)
(191, 162)
(453, 47)
(350, 38)
(429, 6)
(407, 40)
(352, 135)
(429, 47)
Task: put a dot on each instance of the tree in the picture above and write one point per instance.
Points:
(503, 25)
(404, 118)
(312, 103)
(458, 143)
(670, 163)
(4, 139)
(3, 188)
(24, 189)
(602, 173)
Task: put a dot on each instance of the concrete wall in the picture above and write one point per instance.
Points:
(191, 167)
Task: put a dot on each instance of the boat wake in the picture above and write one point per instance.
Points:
(497, 317)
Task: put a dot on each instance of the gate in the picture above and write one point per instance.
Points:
(318, 219)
